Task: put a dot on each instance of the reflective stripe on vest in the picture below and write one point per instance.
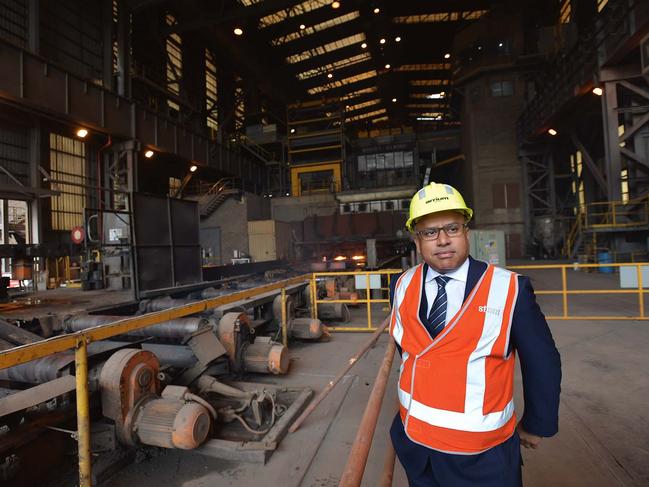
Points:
(456, 391)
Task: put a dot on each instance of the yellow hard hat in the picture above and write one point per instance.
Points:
(433, 198)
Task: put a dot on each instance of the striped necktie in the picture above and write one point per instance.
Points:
(437, 315)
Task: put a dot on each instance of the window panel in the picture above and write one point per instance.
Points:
(68, 166)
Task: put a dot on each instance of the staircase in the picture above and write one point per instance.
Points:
(255, 149)
(215, 196)
(605, 217)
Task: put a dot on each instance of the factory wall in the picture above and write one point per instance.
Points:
(298, 209)
(489, 144)
(231, 220)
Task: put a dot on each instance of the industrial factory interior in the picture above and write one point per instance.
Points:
(214, 264)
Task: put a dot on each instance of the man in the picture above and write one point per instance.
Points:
(458, 324)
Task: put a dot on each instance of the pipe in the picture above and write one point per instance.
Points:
(83, 413)
(202, 402)
(178, 328)
(162, 304)
(283, 323)
(100, 200)
(180, 356)
(352, 361)
(207, 383)
(40, 370)
(355, 467)
(387, 476)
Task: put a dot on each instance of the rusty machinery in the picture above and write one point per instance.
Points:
(165, 385)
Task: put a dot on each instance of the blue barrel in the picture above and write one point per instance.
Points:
(605, 258)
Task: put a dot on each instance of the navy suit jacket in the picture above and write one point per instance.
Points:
(538, 356)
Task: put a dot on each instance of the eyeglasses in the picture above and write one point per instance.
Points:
(452, 230)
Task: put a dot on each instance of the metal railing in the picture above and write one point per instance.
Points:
(367, 300)
(79, 343)
(608, 215)
(564, 292)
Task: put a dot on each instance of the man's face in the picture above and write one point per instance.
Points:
(444, 254)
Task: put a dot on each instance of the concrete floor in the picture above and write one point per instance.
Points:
(604, 422)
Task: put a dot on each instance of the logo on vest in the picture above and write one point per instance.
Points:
(487, 309)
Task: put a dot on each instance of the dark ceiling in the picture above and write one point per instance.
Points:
(301, 50)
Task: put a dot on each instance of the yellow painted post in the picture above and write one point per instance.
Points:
(564, 290)
(640, 290)
(389, 282)
(284, 329)
(369, 304)
(83, 412)
(314, 296)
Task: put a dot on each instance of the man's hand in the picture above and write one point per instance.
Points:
(528, 440)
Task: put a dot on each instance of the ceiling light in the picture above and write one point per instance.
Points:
(364, 45)
(382, 41)
(377, 10)
(148, 154)
(302, 26)
(397, 39)
(552, 132)
(330, 76)
(335, 4)
(598, 91)
(394, 100)
(82, 133)
(292, 131)
(387, 66)
(193, 168)
(238, 31)
(447, 55)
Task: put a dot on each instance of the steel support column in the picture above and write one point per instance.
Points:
(613, 159)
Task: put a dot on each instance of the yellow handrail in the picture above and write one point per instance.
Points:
(80, 340)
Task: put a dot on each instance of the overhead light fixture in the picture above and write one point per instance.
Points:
(598, 91)
(148, 154)
(292, 131)
(394, 100)
(552, 132)
(387, 66)
(238, 31)
(364, 45)
(335, 4)
(377, 10)
(447, 55)
(193, 168)
(302, 26)
(82, 133)
(382, 41)
(397, 39)
(330, 75)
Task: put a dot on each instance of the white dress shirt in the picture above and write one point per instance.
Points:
(455, 288)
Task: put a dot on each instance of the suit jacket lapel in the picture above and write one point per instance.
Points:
(476, 269)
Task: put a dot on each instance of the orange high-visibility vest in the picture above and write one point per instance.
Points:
(456, 392)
